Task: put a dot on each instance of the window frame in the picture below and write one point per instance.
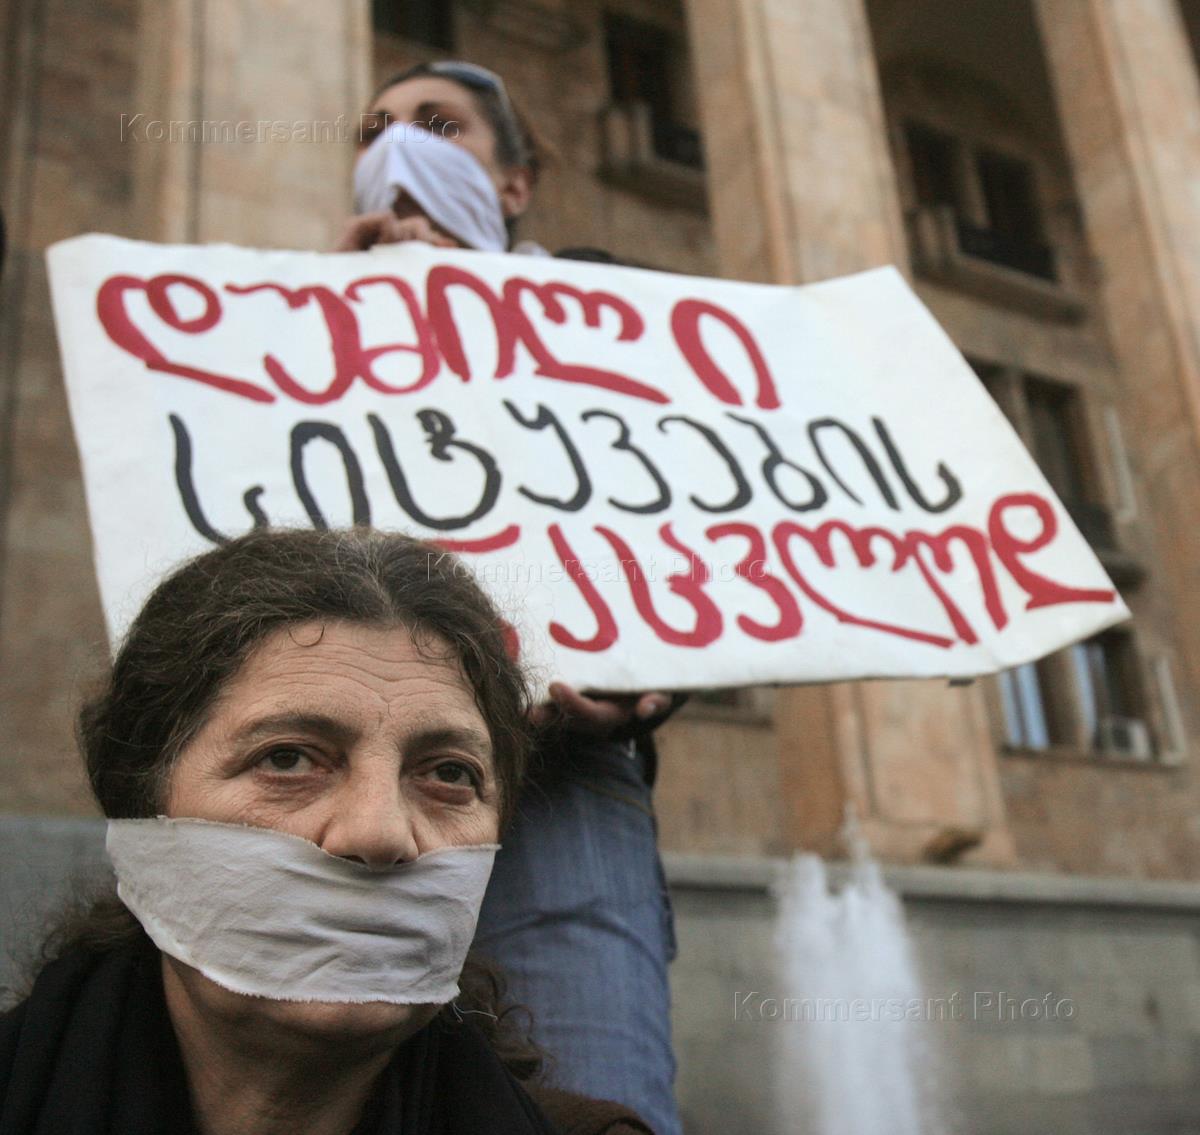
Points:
(668, 112)
(446, 10)
(1063, 700)
(970, 212)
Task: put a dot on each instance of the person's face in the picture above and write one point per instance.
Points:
(448, 109)
(352, 738)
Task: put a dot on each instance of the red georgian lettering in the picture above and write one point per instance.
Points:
(753, 568)
(342, 327)
(980, 550)
(513, 327)
(592, 304)
(1009, 548)
(425, 345)
(685, 326)
(506, 322)
(114, 318)
(606, 626)
(819, 539)
(688, 585)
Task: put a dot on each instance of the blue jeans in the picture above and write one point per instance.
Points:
(577, 916)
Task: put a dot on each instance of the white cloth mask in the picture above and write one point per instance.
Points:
(271, 915)
(447, 181)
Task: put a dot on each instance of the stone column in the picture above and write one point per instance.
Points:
(86, 89)
(801, 188)
(800, 177)
(249, 112)
(1129, 104)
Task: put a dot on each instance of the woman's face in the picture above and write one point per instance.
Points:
(348, 736)
(448, 109)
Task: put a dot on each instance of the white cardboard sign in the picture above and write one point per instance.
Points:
(666, 481)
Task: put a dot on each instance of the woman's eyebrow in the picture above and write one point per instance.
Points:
(318, 724)
(435, 107)
(474, 740)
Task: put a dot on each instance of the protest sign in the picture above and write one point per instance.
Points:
(666, 481)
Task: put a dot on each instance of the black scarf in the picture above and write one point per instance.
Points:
(92, 1052)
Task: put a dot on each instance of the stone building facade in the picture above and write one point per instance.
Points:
(1031, 165)
(1034, 194)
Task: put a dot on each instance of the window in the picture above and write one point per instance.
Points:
(1007, 185)
(1050, 418)
(1056, 436)
(992, 196)
(1088, 697)
(644, 68)
(426, 21)
(1033, 717)
(1012, 234)
(933, 156)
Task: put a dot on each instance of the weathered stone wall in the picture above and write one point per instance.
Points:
(1034, 83)
(73, 74)
(803, 187)
(107, 132)
(1121, 966)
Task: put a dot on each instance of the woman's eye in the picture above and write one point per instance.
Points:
(285, 760)
(457, 773)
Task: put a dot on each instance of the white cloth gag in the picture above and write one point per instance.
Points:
(272, 915)
(447, 181)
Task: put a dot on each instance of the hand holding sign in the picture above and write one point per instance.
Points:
(369, 229)
(601, 716)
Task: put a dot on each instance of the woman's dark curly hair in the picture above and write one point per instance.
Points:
(202, 622)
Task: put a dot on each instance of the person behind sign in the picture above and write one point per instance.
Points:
(577, 913)
(307, 747)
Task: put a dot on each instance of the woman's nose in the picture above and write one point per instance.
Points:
(372, 823)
